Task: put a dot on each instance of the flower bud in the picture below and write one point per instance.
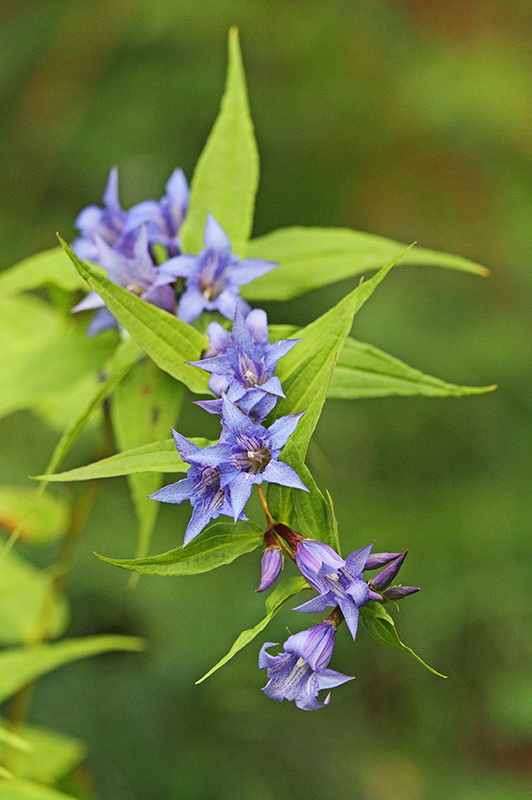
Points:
(386, 576)
(271, 565)
(378, 560)
(398, 592)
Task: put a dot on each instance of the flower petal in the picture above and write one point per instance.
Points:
(282, 428)
(214, 236)
(175, 492)
(283, 474)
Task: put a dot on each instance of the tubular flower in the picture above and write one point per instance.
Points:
(300, 672)
(137, 274)
(271, 563)
(243, 365)
(201, 487)
(213, 278)
(339, 582)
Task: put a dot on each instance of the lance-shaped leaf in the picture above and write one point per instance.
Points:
(24, 591)
(145, 406)
(165, 338)
(306, 375)
(227, 174)
(286, 589)
(313, 257)
(49, 755)
(219, 544)
(41, 269)
(382, 627)
(365, 371)
(155, 457)
(23, 665)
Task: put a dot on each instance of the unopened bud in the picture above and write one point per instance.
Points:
(271, 565)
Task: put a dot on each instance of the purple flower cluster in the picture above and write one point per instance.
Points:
(221, 477)
(300, 671)
(140, 249)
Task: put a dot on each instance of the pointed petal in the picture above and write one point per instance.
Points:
(101, 321)
(356, 562)
(257, 323)
(250, 269)
(240, 489)
(317, 604)
(214, 236)
(219, 337)
(351, 614)
(358, 590)
(329, 678)
(211, 456)
(282, 428)
(283, 474)
(175, 492)
(219, 365)
(177, 267)
(211, 406)
(273, 386)
(201, 517)
(240, 331)
(267, 661)
(191, 304)
(110, 194)
(306, 696)
(236, 421)
(277, 350)
(184, 447)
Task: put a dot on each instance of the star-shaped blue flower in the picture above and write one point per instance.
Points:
(136, 274)
(301, 671)
(213, 278)
(244, 365)
(201, 486)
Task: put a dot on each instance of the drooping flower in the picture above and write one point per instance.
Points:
(105, 224)
(163, 218)
(339, 582)
(271, 562)
(136, 274)
(301, 671)
(252, 453)
(213, 278)
(201, 487)
(242, 364)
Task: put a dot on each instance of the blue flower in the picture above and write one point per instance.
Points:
(201, 487)
(271, 562)
(251, 454)
(164, 218)
(242, 364)
(300, 672)
(213, 278)
(339, 582)
(136, 274)
(106, 224)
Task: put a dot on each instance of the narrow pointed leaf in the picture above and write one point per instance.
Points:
(313, 257)
(145, 406)
(23, 665)
(286, 589)
(365, 371)
(41, 269)
(381, 627)
(155, 457)
(226, 178)
(165, 338)
(217, 545)
(13, 740)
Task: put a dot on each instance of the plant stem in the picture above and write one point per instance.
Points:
(266, 510)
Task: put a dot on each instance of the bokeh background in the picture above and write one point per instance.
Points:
(407, 118)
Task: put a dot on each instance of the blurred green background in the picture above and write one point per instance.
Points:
(407, 118)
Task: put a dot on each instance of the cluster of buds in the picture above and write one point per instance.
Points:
(300, 671)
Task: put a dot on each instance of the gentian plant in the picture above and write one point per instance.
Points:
(175, 284)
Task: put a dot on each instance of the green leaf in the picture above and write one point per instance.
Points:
(286, 589)
(13, 740)
(23, 665)
(227, 174)
(145, 406)
(305, 373)
(24, 590)
(364, 371)
(169, 341)
(48, 267)
(381, 626)
(26, 790)
(155, 457)
(313, 257)
(50, 755)
(44, 520)
(217, 545)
